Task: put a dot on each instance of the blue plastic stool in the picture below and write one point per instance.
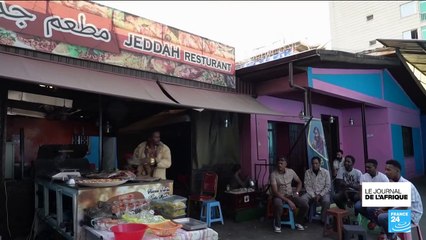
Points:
(313, 214)
(290, 217)
(208, 213)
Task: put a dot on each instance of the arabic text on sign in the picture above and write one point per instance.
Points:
(79, 28)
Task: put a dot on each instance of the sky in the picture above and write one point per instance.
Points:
(249, 26)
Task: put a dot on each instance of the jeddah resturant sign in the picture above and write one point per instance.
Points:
(94, 32)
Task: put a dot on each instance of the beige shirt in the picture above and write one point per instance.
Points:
(164, 159)
(317, 184)
(283, 181)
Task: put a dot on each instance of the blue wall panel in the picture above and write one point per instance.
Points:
(368, 84)
(418, 151)
(394, 93)
(398, 151)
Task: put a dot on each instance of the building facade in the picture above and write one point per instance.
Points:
(355, 26)
(340, 85)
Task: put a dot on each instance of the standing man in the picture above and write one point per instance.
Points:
(371, 175)
(317, 185)
(393, 172)
(347, 180)
(282, 191)
(153, 157)
(337, 162)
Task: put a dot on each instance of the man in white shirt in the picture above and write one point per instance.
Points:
(337, 162)
(393, 172)
(347, 180)
(371, 175)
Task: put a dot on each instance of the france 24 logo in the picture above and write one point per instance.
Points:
(399, 221)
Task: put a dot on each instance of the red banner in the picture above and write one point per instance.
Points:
(87, 30)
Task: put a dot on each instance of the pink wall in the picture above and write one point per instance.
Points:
(379, 142)
(290, 110)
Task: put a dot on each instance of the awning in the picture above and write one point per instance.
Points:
(221, 101)
(412, 52)
(56, 74)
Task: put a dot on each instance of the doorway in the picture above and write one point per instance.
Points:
(330, 125)
(288, 140)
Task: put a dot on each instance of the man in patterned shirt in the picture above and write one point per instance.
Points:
(393, 172)
(282, 191)
(317, 185)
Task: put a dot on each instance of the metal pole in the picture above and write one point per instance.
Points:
(3, 114)
(364, 132)
(22, 150)
(292, 85)
(100, 133)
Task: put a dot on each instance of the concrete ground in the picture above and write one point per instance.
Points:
(262, 228)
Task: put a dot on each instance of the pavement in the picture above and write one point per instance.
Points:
(262, 228)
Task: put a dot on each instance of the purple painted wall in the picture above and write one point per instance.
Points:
(380, 114)
(290, 110)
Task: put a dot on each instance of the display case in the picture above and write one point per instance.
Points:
(62, 206)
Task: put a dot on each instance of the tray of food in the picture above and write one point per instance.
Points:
(145, 179)
(190, 224)
(106, 182)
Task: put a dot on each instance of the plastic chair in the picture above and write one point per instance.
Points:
(313, 213)
(408, 236)
(211, 212)
(208, 189)
(290, 218)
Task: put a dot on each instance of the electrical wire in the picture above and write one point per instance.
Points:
(7, 211)
(31, 234)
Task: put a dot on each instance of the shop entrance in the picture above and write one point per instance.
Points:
(288, 140)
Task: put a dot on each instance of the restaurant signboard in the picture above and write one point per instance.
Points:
(90, 31)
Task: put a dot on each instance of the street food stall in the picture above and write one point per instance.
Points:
(62, 87)
(88, 209)
(79, 202)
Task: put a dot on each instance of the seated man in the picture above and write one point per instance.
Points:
(282, 192)
(348, 184)
(238, 180)
(371, 175)
(317, 185)
(393, 172)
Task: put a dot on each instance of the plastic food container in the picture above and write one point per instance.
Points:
(104, 223)
(164, 229)
(170, 207)
(130, 231)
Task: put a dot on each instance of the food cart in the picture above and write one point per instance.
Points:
(63, 206)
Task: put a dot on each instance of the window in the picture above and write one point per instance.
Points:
(422, 10)
(408, 9)
(370, 17)
(423, 31)
(372, 42)
(412, 34)
(407, 141)
(272, 139)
